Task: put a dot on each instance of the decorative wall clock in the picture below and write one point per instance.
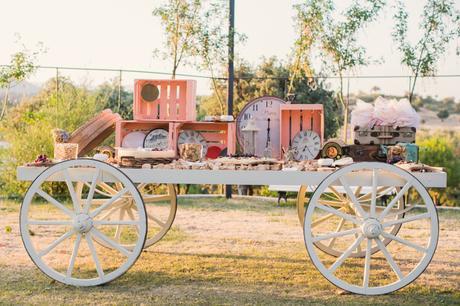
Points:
(191, 136)
(306, 145)
(266, 112)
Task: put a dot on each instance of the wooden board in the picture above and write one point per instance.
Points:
(94, 131)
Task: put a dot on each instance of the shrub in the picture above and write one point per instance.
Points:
(28, 127)
(443, 149)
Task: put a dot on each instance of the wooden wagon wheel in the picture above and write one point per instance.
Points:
(396, 264)
(58, 228)
(343, 202)
(160, 204)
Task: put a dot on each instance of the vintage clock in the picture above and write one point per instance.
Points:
(191, 136)
(157, 139)
(266, 114)
(306, 145)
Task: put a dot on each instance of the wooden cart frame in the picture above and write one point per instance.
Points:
(345, 218)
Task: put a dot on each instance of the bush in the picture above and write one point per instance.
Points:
(28, 127)
(443, 149)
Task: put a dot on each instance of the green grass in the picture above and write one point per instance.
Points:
(178, 272)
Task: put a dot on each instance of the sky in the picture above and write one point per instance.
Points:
(123, 34)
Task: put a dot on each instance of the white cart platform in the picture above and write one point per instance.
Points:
(235, 177)
(374, 217)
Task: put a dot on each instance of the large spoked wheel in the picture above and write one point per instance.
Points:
(396, 264)
(333, 196)
(160, 204)
(59, 229)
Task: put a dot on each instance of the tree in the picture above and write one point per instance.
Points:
(180, 21)
(439, 25)
(108, 95)
(336, 38)
(443, 114)
(195, 36)
(28, 127)
(271, 77)
(20, 68)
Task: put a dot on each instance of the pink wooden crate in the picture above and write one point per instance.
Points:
(312, 119)
(123, 127)
(220, 134)
(176, 101)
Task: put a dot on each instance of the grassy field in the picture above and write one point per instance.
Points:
(223, 252)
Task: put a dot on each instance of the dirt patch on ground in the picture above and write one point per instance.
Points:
(222, 253)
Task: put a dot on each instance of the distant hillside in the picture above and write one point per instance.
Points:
(19, 91)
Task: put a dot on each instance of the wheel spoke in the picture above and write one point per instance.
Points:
(107, 188)
(339, 213)
(322, 219)
(115, 222)
(345, 255)
(156, 220)
(405, 220)
(400, 212)
(338, 229)
(97, 263)
(73, 195)
(156, 198)
(129, 211)
(109, 213)
(76, 247)
(110, 242)
(55, 202)
(109, 202)
(118, 230)
(395, 199)
(355, 201)
(374, 192)
(336, 234)
(337, 194)
(331, 203)
(55, 243)
(49, 222)
(141, 187)
(389, 258)
(405, 242)
(358, 249)
(367, 264)
(91, 190)
(381, 191)
(358, 191)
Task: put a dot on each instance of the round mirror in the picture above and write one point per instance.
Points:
(149, 93)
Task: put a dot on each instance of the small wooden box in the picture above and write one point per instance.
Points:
(384, 134)
(310, 116)
(168, 100)
(220, 134)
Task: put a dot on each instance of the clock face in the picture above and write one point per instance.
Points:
(265, 111)
(306, 145)
(157, 139)
(191, 136)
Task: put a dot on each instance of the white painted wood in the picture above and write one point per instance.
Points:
(373, 229)
(78, 232)
(241, 177)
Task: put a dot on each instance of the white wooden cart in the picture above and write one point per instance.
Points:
(369, 228)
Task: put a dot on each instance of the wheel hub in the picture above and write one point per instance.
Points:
(372, 228)
(83, 223)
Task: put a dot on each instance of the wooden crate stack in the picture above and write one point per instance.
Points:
(174, 110)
